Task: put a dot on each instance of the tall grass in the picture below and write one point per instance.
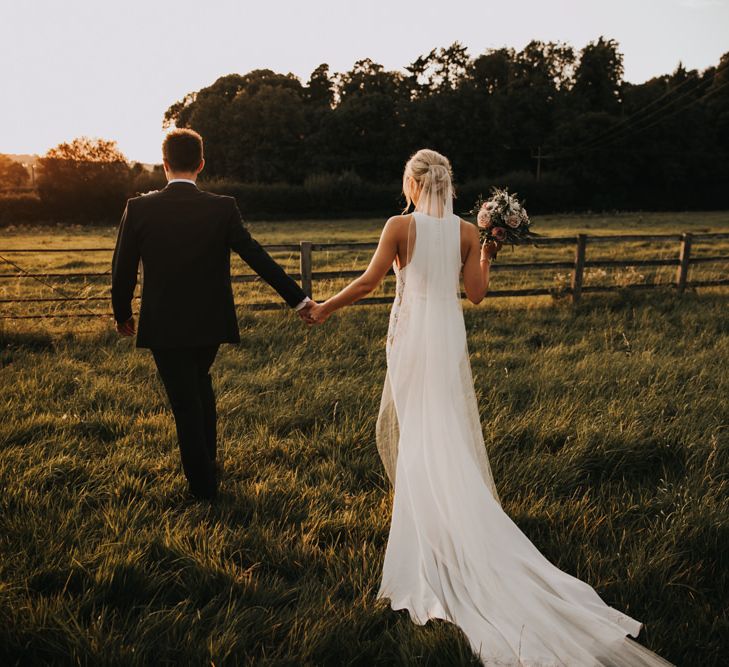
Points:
(606, 426)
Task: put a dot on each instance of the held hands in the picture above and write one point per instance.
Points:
(303, 312)
(126, 328)
(313, 313)
(318, 314)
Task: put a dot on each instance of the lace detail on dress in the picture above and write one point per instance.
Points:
(395, 310)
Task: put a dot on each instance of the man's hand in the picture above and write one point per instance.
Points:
(318, 314)
(305, 311)
(126, 328)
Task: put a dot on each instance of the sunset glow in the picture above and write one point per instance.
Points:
(111, 70)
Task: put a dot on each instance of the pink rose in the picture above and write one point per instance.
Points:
(499, 233)
(512, 220)
(483, 218)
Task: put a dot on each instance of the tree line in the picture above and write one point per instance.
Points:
(561, 128)
(502, 115)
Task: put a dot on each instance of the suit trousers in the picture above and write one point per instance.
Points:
(185, 373)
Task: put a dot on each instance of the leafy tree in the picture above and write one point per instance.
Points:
(541, 73)
(320, 88)
(12, 173)
(89, 177)
(489, 113)
(717, 101)
(440, 70)
(371, 113)
(599, 76)
(492, 71)
(252, 125)
(266, 126)
(206, 112)
(86, 150)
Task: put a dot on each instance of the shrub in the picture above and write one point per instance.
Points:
(145, 181)
(320, 196)
(12, 174)
(23, 207)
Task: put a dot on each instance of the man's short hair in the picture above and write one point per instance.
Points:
(183, 149)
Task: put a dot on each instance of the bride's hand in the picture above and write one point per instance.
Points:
(490, 248)
(317, 314)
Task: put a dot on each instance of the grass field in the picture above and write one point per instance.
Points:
(606, 425)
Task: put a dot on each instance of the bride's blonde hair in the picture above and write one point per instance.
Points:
(431, 171)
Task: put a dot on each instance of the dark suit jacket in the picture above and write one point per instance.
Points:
(184, 236)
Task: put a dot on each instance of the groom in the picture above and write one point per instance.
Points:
(183, 236)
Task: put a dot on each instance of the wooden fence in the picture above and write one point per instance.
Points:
(307, 275)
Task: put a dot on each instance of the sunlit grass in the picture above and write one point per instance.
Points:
(606, 426)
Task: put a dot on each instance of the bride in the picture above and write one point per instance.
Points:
(452, 552)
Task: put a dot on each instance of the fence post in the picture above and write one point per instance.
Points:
(305, 268)
(684, 261)
(579, 267)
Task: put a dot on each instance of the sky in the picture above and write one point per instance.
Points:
(111, 69)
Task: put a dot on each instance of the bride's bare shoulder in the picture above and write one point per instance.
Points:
(468, 229)
(398, 223)
(400, 219)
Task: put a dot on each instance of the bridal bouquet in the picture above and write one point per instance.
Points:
(502, 218)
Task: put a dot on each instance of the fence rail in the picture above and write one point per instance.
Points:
(306, 275)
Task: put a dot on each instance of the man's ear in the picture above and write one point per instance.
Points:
(201, 166)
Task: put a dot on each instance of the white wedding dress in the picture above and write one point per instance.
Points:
(453, 553)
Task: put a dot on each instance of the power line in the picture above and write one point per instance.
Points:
(625, 124)
(660, 119)
(627, 121)
(592, 146)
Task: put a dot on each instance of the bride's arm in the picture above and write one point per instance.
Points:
(476, 267)
(360, 287)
